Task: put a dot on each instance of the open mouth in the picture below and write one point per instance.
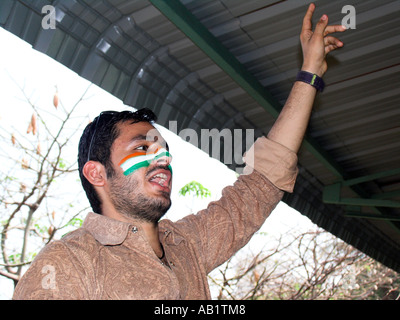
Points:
(161, 177)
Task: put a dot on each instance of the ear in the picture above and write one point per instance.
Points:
(95, 173)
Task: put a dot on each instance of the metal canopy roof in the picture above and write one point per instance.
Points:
(231, 64)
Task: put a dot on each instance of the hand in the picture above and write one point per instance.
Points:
(316, 45)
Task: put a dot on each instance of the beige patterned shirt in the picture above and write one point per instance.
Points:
(109, 259)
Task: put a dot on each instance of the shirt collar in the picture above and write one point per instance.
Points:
(106, 230)
(113, 232)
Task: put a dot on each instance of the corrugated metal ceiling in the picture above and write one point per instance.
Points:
(140, 55)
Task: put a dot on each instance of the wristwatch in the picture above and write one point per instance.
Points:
(311, 79)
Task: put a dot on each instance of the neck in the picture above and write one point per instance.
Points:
(151, 232)
(150, 229)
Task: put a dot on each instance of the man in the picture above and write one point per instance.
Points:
(122, 250)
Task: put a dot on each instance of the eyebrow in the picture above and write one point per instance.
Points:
(140, 137)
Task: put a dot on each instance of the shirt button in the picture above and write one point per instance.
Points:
(171, 264)
(134, 229)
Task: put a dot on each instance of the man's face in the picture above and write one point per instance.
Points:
(142, 193)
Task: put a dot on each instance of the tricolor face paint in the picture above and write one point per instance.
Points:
(141, 159)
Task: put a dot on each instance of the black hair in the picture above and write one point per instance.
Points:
(96, 141)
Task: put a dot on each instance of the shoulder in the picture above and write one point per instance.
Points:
(77, 240)
(57, 266)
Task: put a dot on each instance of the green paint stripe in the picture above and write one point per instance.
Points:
(139, 165)
(136, 167)
(162, 154)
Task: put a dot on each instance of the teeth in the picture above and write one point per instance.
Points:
(161, 176)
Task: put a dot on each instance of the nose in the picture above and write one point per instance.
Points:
(162, 156)
(165, 158)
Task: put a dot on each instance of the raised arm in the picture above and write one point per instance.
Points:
(290, 127)
(219, 231)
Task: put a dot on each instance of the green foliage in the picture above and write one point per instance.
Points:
(196, 188)
(75, 222)
(14, 258)
(62, 164)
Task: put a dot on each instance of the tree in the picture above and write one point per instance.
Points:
(299, 265)
(196, 190)
(36, 164)
(305, 266)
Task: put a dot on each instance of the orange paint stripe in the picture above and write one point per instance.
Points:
(136, 154)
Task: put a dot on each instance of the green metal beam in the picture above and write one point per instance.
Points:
(386, 195)
(368, 202)
(177, 13)
(371, 177)
(331, 194)
(371, 216)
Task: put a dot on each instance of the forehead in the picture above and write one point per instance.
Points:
(141, 131)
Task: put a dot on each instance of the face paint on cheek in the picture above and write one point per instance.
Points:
(141, 159)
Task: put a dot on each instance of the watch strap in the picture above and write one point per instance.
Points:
(312, 79)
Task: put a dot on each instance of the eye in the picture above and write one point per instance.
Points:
(142, 148)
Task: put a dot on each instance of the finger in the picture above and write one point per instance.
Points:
(307, 24)
(330, 48)
(332, 44)
(332, 41)
(321, 25)
(334, 28)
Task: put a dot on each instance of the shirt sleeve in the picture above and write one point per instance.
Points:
(227, 225)
(274, 161)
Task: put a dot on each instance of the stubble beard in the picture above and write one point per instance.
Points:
(129, 199)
